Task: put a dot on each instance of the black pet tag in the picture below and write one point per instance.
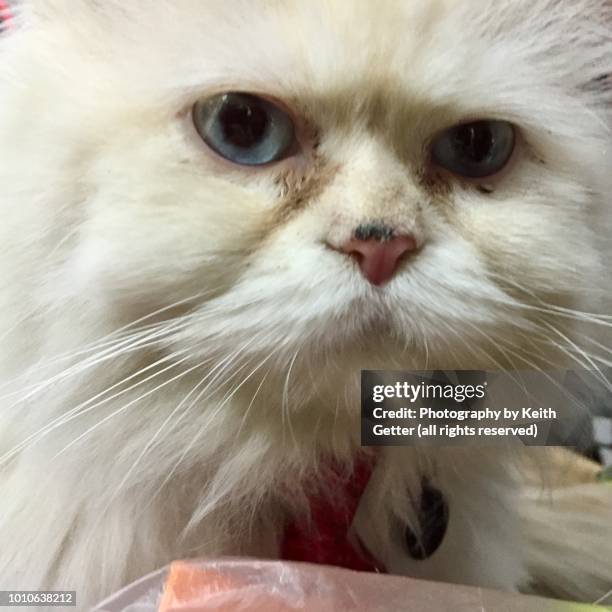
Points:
(433, 522)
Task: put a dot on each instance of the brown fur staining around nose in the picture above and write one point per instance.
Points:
(375, 230)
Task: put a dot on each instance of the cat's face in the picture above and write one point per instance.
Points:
(360, 95)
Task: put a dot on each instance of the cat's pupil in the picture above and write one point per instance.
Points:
(475, 150)
(474, 142)
(244, 123)
(244, 129)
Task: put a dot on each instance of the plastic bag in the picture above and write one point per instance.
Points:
(237, 585)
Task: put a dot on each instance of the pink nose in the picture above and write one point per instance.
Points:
(378, 259)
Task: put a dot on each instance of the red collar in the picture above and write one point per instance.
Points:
(325, 538)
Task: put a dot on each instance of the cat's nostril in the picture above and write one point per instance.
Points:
(379, 259)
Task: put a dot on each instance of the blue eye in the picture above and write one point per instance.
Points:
(475, 150)
(244, 129)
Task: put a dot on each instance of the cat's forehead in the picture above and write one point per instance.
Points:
(314, 43)
(474, 55)
(318, 38)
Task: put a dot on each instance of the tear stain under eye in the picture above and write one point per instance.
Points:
(296, 191)
(299, 189)
(438, 186)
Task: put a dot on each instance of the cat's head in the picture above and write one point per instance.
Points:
(408, 183)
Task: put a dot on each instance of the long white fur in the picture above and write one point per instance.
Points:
(172, 374)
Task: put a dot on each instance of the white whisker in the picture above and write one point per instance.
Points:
(85, 407)
(128, 405)
(285, 408)
(143, 342)
(152, 441)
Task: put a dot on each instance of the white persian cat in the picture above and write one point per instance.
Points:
(215, 213)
